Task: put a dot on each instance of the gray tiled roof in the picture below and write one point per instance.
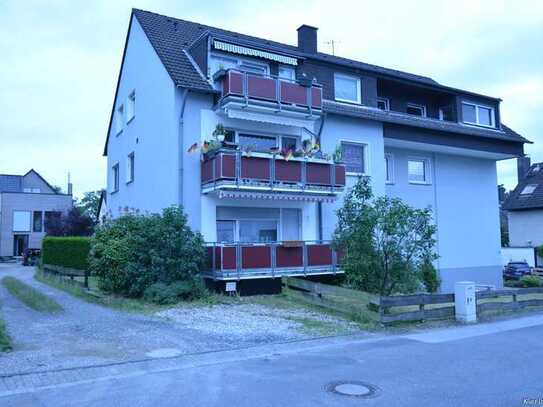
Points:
(402, 118)
(11, 183)
(171, 37)
(518, 201)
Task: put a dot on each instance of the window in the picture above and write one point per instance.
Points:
(51, 220)
(226, 230)
(37, 223)
(347, 88)
(353, 155)
(417, 171)
(115, 177)
(389, 169)
(528, 189)
(256, 142)
(258, 231)
(287, 72)
(21, 221)
(253, 67)
(416, 110)
(31, 190)
(289, 143)
(119, 118)
(383, 104)
(216, 63)
(131, 107)
(130, 168)
(476, 114)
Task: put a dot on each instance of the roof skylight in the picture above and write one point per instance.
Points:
(529, 189)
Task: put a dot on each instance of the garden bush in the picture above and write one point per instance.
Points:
(531, 281)
(71, 252)
(160, 293)
(135, 251)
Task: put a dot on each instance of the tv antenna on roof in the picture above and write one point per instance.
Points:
(332, 43)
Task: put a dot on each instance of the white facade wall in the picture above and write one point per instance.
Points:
(526, 228)
(463, 196)
(151, 135)
(337, 129)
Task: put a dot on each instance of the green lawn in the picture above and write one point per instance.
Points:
(95, 296)
(5, 340)
(30, 296)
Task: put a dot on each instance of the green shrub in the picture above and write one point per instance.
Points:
(135, 251)
(430, 279)
(160, 293)
(514, 284)
(71, 252)
(531, 281)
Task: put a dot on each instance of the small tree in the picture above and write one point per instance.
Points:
(73, 223)
(386, 243)
(89, 204)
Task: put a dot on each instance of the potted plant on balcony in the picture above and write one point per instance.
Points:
(338, 155)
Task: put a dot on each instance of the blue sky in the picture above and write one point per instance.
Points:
(60, 61)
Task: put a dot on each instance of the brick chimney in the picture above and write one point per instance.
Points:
(307, 39)
(523, 165)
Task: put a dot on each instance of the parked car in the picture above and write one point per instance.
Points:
(514, 270)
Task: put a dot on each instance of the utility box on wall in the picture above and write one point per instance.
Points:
(464, 301)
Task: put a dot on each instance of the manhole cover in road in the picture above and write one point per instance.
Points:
(353, 389)
(163, 353)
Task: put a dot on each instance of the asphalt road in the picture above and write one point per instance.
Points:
(495, 364)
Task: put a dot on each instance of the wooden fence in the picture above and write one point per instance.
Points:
(508, 300)
(71, 273)
(417, 307)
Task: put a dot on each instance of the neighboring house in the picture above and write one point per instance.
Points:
(26, 203)
(525, 206)
(102, 208)
(428, 144)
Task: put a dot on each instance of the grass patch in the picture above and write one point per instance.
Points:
(314, 326)
(30, 296)
(95, 296)
(5, 340)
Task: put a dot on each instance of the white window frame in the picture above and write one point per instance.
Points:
(278, 137)
(131, 107)
(477, 106)
(532, 187)
(119, 119)
(130, 168)
(417, 106)
(389, 168)
(115, 178)
(366, 148)
(239, 62)
(387, 103)
(427, 170)
(358, 88)
(292, 75)
(28, 215)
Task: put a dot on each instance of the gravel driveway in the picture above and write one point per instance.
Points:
(87, 334)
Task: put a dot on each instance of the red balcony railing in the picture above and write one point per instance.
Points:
(251, 260)
(270, 89)
(267, 171)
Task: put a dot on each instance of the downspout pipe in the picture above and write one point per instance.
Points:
(319, 204)
(181, 152)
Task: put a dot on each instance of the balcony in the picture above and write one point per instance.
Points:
(267, 98)
(229, 261)
(235, 174)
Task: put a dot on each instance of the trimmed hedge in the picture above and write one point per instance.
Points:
(70, 252)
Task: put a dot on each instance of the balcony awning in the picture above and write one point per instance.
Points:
(274, 196)
(238, 49)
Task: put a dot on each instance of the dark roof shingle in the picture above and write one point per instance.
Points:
(11, 183)
(518, 201)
